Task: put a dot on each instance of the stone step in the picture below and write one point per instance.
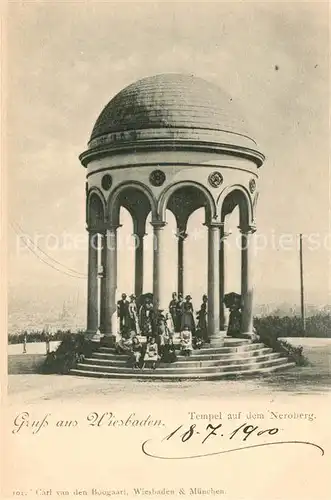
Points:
(187, 369)
(156, 375)
(182, 363)
(122, 358)
(206, 351)
(228, 344)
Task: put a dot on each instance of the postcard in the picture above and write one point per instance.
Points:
(166, 251)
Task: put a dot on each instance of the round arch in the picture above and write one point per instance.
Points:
(95, 208)
(211, 207)
(236, 195)
(113, 203)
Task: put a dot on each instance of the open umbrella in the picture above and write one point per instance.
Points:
(141, 300)
(231, 298)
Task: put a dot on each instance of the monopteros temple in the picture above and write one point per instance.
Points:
(178, 143)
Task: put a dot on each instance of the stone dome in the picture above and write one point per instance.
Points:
(170, 101)
(171, 112)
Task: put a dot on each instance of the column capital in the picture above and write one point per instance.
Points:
(214, 225)
(112, 227)
(225, 233)
(139, 226)
(140, 235)
(181, 234)
(247, 229)
(158, 224)
(93, 230)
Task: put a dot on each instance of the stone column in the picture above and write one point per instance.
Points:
(92, 284)
(247, 278)
(159, 266)
(103, 283)
(213, 285)
(139, 264)
(181, 235)
(223, 269)
(108, 311)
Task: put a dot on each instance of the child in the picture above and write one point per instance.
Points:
(151, 354)
(186, 341)
(169, 353)
(136, 352)
(124, 345)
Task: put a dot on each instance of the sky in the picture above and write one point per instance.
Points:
(67, 60)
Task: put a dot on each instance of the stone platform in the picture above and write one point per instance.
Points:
(236, 358)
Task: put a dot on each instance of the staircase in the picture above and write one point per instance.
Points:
(236, 358)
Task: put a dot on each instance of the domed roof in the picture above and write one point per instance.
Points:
(170, 101)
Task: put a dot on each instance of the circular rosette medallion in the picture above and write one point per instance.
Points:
(157, 178)
(215, 179)
(252, 185)
(106, 182)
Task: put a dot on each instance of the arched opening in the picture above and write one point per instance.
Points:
(196, 257)
(169, 253)
(232, 250)
(185, 200)
(186, 197)
(128, 208)
(237, 218)
(125, 254)
(135, 197)
(237, 197)
(95, 218)
(95, 211)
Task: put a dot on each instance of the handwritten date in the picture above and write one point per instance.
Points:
(246, 430)
(244, 435)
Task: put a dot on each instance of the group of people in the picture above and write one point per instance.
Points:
(147, 354)
(182, 314)
(159, 328)
(148, 334)
(179, 316)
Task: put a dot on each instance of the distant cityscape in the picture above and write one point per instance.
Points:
(57, 314)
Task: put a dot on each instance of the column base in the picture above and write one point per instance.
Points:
(93, 336)
(249, 335)
(217, 339)
(108, 340)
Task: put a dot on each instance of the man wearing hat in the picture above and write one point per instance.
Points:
(123, 314)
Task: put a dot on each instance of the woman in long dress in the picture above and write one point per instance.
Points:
(173, 307)
(202, 319)
(169, 324)
(179, 312)
(234, 327)
(146, 318)
(162, 337)
(187, 321)
(133, 314)
(233, 303)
